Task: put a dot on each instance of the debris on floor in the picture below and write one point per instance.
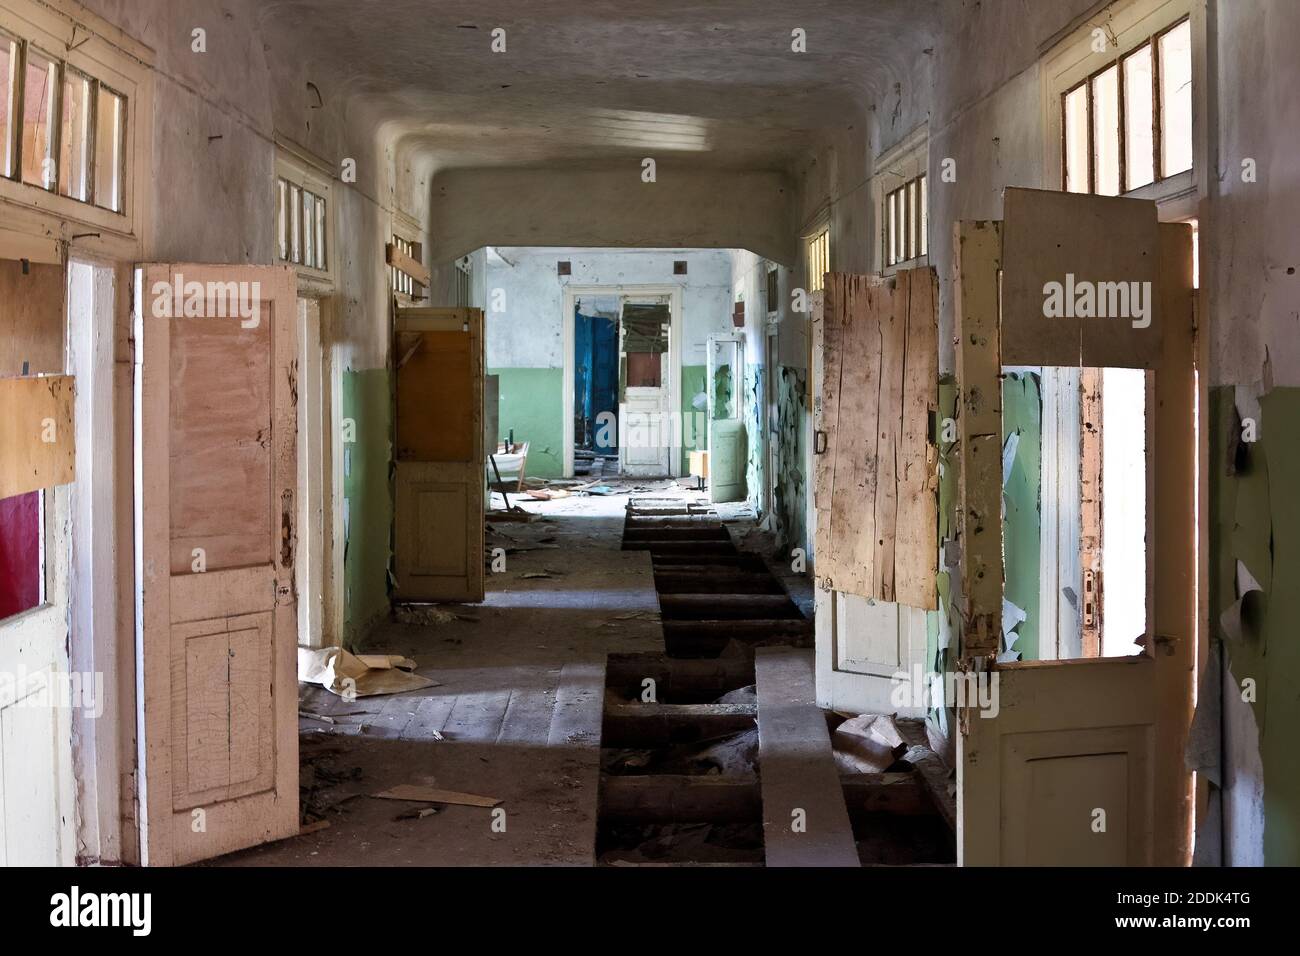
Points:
(416, 793)
(368, 675)
(425, 615)
(867, 744)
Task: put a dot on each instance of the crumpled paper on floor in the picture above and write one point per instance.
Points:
(365, 675)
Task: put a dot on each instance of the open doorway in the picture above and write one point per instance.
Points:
(1075, 505)
(595, 383)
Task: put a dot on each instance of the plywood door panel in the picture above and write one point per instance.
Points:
(440, 455)
(217, 473)
(1101, 738)
(220, 444)
(37, 433)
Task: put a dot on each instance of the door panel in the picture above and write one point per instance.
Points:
(1081, 761)
(728, 437)
(217, 474)
(440, 455)
(876, 497)
(646, 434)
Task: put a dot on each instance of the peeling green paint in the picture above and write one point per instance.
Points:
(791, 495)
(367, 405)
(695, 432)
(1255, 519)
(947, 620)
(532, 404)
(1022, 415)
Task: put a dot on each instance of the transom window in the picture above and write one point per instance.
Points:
(1129, 124)
(819, 259)
(906, 222)
(61, 130)
(303, 226)
(404, 284)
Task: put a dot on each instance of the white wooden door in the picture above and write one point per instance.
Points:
(645, 422)
(728, 442)
(440, 457)
(1077, 762)
(37, 792)
(217, 476)
(875, 365)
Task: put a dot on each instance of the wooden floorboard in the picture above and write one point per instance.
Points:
(797, 767)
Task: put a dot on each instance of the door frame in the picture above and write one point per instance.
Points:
(570, 302)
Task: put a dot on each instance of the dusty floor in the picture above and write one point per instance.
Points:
(500, 667)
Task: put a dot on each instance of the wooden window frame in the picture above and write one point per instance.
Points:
(111, 61)
(406, 288)
(108, 61)
(900, 197)
(1069, 62)
(299, 169)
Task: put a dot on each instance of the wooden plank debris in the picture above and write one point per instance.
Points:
(805, 820)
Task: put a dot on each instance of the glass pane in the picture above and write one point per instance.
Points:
(295, 224)
(322, 261)
(1075, 123)
(74, 138)
(890, 213)
(1105, 132)
(309, 229)
(1139, 141)
(912, 196)
(1176, 100)
(8, 76)
(20, 554)
(282, 218)
(110, 139)
(39, 94)
(925, 217)
(728, 380)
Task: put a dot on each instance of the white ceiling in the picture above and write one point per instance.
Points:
(711, 81)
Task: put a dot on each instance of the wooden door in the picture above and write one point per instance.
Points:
(440, 456)
(645, 445)
(875, 490)
(217, 476)
(1078, 762)
(728, 441)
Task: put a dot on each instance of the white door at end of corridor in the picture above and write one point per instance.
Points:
(645, 374)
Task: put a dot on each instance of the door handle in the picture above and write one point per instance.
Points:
(820, 439)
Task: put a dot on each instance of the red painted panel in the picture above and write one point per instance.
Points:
(20, 553)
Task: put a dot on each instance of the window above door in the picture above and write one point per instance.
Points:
(71, 89)
(304, 218)
(1122, 102)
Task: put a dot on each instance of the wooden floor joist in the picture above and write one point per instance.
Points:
(676, 678)
(805, 819)
(899, 793)
(653, 725)
(680, 798)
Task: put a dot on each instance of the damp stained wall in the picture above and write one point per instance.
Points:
(217, 118)
(525, 338)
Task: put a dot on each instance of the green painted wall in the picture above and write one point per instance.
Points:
(1255, 519)
(1022, 413)
(367, 404)
(532, 403)
(695, 432)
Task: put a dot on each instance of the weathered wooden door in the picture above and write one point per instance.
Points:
(440, 455)
(216, 510)
(876, 361)
(1076, 762)
(728, 441)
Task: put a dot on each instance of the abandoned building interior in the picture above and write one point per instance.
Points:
(848, 433)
